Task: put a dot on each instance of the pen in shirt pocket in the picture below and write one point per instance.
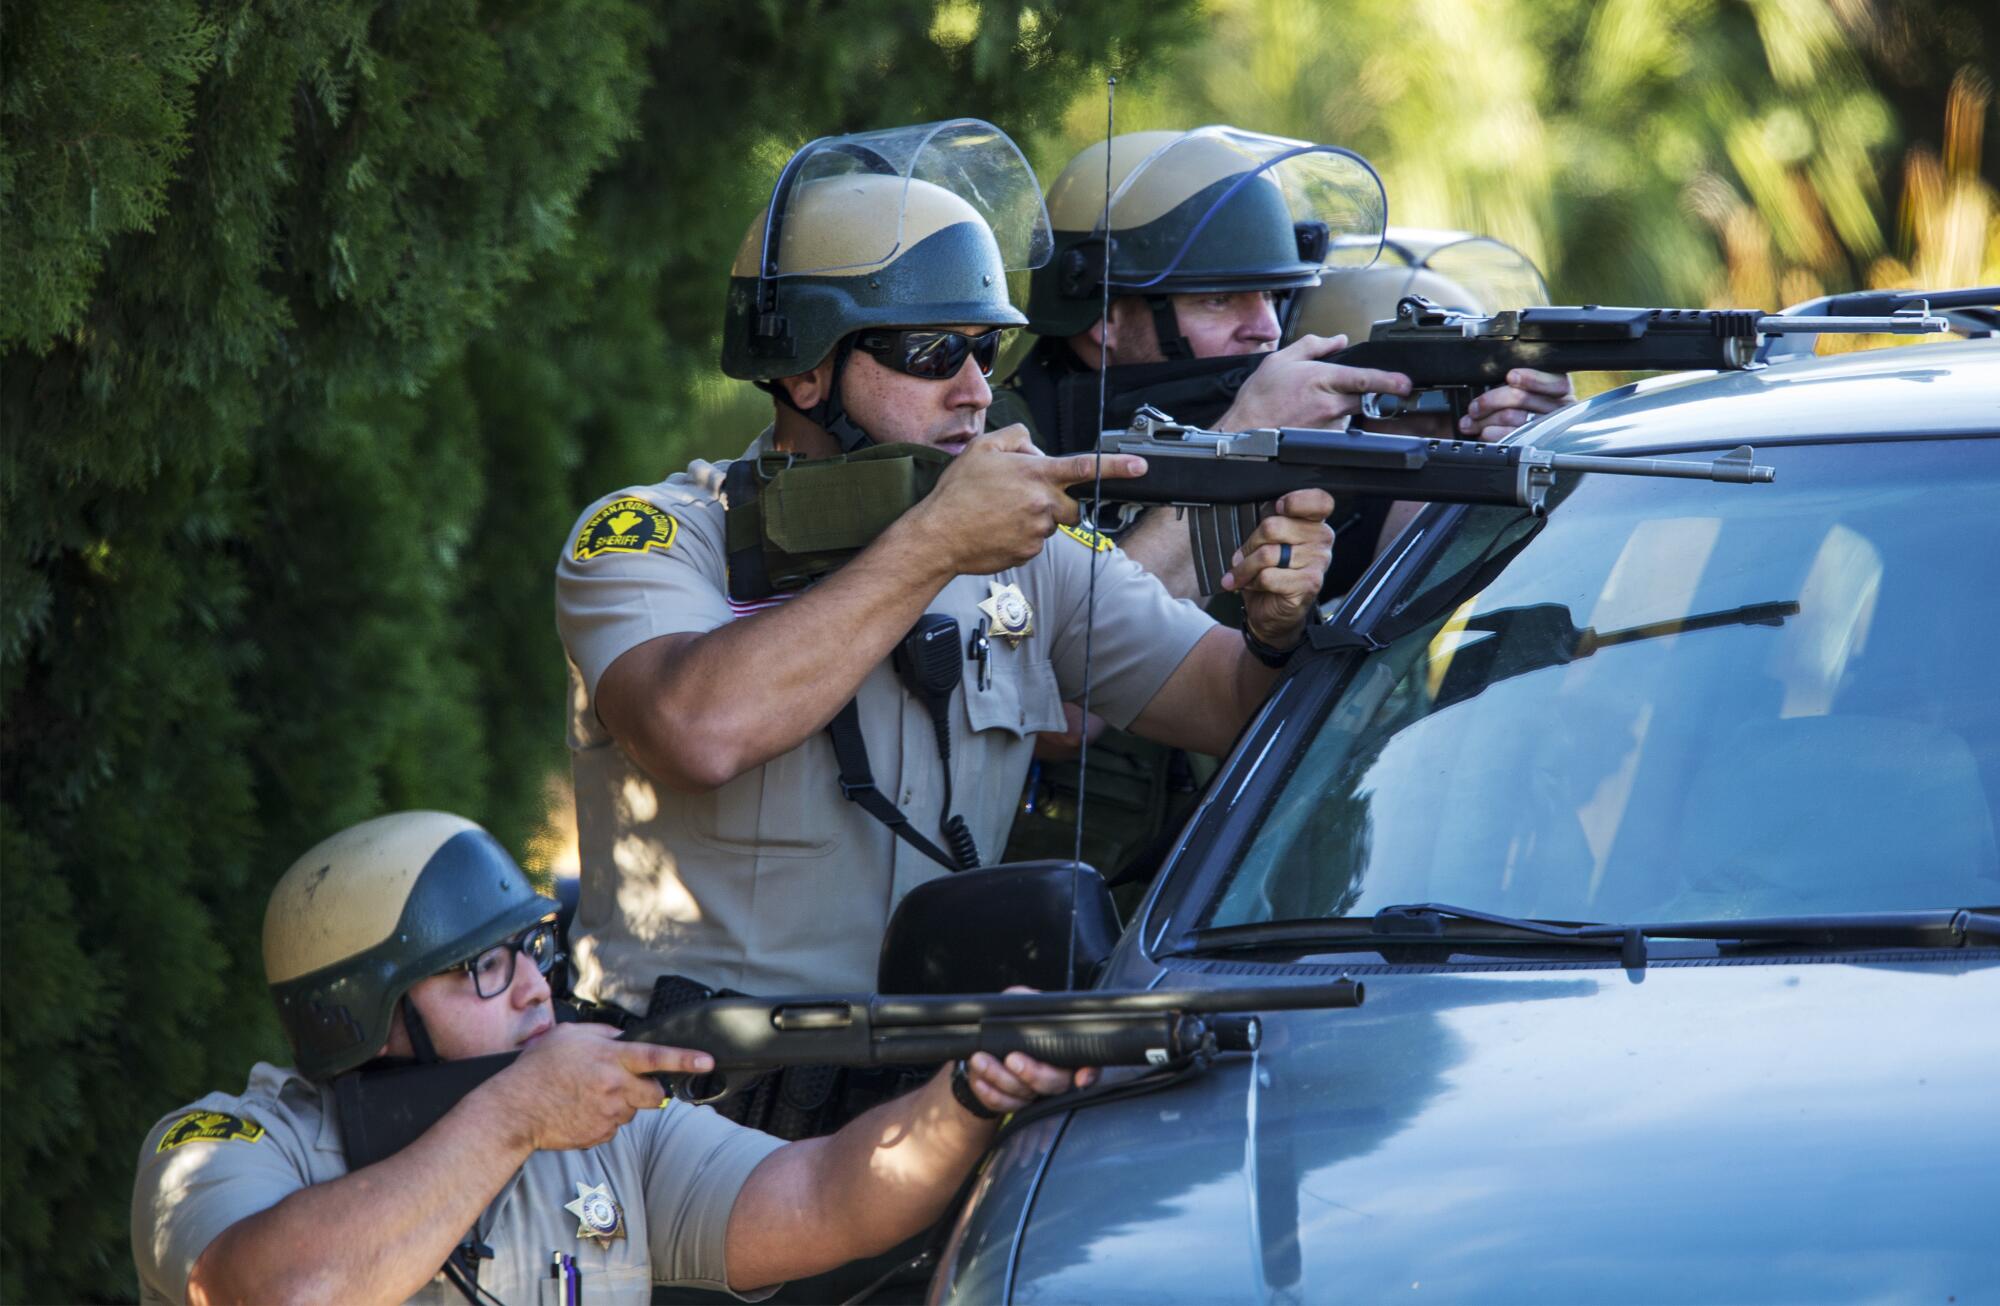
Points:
(569, 1281)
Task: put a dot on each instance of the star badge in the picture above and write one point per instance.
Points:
(599, 1217)
(1007, 613)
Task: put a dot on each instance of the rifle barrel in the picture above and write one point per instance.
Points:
(1915, 323)
(1734, 467)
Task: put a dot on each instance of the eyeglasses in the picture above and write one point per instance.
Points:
(931, 353)
(492, 971)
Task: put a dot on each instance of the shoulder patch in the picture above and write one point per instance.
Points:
(1094, 539)
(208, 1127)
(625, 525)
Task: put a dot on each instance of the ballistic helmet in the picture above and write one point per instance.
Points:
(372, 910)
(1213, 209)
(1453, 269)
(915, 226)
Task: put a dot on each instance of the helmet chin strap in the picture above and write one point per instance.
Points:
(830, 414)
(421, 1047)
(1167, 326)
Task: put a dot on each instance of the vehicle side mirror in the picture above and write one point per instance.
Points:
(1048, 925)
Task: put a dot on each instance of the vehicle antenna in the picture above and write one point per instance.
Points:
(1089, 522)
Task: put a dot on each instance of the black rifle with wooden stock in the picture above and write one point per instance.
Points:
(382, 1111)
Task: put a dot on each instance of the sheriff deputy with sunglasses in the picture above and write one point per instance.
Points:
(760, 774)
(563, 1178)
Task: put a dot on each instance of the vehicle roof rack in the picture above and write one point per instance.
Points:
(1973, 312)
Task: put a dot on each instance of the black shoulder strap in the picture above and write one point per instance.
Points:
(743, 533)
(857, 783)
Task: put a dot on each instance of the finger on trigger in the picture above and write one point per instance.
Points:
(1368, 380)
(656, 1059)
(1082, 468)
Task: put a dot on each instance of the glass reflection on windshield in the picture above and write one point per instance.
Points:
(1673, 702)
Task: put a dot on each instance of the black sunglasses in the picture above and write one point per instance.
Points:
(492, 971)
(931, 353)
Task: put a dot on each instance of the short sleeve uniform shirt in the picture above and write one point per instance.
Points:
(666, 1183)
(775, 883)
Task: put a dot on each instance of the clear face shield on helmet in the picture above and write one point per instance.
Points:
(1221, 209)
(907, 227)
(855, 204)
(1474, 275)
(1494, 275)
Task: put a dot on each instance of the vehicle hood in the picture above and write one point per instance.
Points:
(1805, 1130)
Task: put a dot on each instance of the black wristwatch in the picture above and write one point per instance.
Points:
(1269, 656)
(961, 1088)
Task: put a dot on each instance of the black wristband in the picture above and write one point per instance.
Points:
(961, 1088)
(1269, 656)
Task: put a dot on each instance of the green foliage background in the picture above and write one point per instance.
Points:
(321, 320)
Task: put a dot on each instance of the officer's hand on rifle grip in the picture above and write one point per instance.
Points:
(1294, 388)
(1000, 501)
(575, 1085)
(1281, 566)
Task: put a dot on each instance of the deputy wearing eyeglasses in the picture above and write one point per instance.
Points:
(723, 837)
(414, 938)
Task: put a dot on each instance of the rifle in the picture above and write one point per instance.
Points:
(383, 1111)
(1224, 481)
(1451, 356)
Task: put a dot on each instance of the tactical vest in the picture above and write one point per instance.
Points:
(791, 520)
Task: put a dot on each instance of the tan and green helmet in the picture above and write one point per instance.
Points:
(1212, 209)
(909, 227)
(1453, 269)
(369, 912)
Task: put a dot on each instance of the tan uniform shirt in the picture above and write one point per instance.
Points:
(775, 883)
(671, 1176)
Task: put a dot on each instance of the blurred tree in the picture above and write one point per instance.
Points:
(1643, 151)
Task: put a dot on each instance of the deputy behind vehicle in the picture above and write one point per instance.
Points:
(1213, 233)
(757, 785)
(1208, 231)
(565, 1173)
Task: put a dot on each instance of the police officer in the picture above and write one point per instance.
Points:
(1211, 232)
(563, 1174)
(718, 841)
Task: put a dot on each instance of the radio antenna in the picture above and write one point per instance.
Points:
(1090, 522)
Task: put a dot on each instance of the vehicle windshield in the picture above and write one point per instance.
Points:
(1671, 701)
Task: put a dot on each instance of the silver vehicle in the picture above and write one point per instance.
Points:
(1662, 830)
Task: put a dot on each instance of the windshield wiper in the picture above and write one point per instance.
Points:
(1928, 929)
(1417, 923)
(1426, 921)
